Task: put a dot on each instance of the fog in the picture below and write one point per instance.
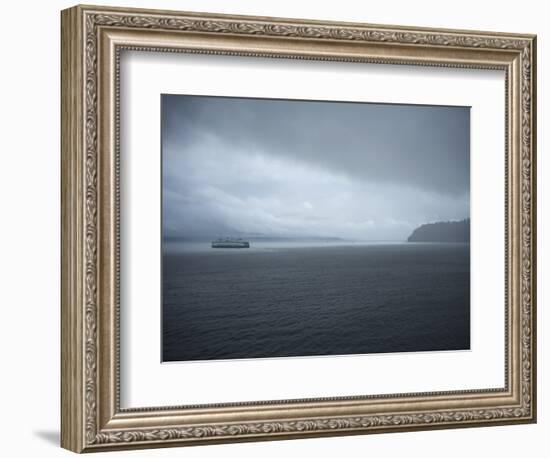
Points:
(258, 167)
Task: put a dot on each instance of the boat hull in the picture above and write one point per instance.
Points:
(230, 245)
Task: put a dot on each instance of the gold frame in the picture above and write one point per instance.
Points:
(92, 39)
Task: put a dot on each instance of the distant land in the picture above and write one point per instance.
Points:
(254, 237)
(443, 231)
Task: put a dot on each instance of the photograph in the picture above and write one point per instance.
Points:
(301, 228)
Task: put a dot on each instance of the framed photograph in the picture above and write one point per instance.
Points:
(278, 228)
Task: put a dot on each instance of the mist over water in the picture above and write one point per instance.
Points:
(202, 246)
(292, 299)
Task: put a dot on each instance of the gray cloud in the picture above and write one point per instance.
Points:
(276, 167)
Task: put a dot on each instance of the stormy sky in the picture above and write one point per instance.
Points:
(238, 167)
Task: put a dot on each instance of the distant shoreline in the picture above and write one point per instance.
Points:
(442, 232)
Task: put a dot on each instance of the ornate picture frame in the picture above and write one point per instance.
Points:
(92, 41)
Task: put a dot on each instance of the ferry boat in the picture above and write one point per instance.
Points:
(230, 243)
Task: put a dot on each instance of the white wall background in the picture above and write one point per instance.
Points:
(29, 230)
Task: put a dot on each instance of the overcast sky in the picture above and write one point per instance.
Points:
(236, 166)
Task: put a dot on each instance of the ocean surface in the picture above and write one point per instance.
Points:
(294, 299)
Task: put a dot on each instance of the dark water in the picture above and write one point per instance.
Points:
(303, 301)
